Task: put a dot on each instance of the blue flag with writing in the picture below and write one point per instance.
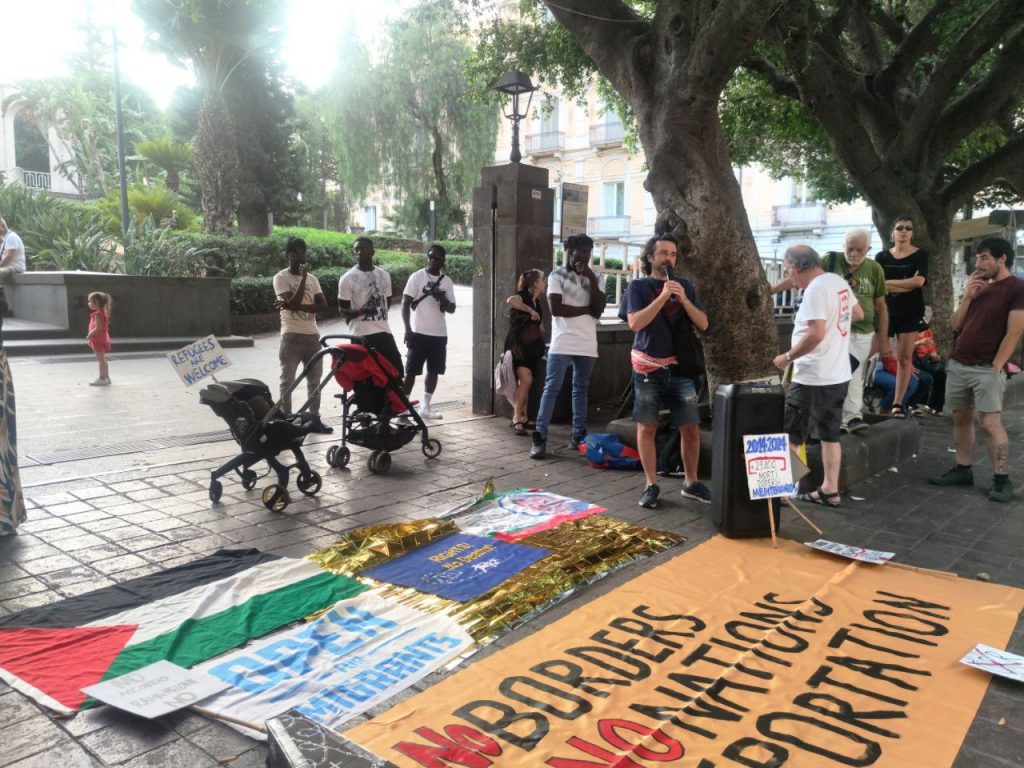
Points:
(458, 566)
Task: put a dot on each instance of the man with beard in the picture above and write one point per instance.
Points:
(363, 294)
(989, 322)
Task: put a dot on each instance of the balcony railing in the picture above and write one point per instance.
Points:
(798, 216)
(545, 143)
(33, 179)
(606, 135)
(608, 226)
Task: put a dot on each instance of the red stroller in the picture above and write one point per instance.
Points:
(376, 413)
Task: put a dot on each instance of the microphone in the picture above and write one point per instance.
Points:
(668, 271)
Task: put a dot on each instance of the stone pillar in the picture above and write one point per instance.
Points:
(513, 219)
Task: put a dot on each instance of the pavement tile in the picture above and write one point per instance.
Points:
(17, 604)
(85, 541)
(131, 737)
(116, 565)
(129, 485)
(38, 523)
(178, 752)
(69, 509)
(212, 542)
(95, 492)
(79, 518)
(28, 585)
(15, 707)
(67, 754)
(221, 742)
(48, 564)
(144, 542)
(49, 499)
(147, 494)
(254, 758)
(99, 552)
(66, 576)
(31, 735)
(167, 552)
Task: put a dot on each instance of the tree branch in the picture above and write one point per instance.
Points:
(890, 27)
(605, 30)
(867, 44)
(986, 99)
(783, 84)
(919, 42)
(971, 46)
(727, 38)
(1001, 165)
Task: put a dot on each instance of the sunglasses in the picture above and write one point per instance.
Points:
(903, 228)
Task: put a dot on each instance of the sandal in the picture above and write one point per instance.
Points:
(519, 428)
(818, 496)
(897, 412)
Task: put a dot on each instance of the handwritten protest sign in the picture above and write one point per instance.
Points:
(769, 471)
(199, 359)
(995, 662)
(874, 556)
(156, 689)
(733, 654)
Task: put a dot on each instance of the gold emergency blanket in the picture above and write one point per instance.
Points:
(582, 551)
(732, 654)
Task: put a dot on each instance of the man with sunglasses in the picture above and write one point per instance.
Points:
(867, 280)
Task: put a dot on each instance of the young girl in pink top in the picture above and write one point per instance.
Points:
(99, 334)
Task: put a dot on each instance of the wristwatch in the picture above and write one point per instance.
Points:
(789, 358)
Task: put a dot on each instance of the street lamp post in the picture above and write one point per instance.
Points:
(515, 84)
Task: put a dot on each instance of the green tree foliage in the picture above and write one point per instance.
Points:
(171, 157)
(921, 102)
(241, 139)
(407, 122)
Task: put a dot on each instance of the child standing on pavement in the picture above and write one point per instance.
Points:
(99, 334)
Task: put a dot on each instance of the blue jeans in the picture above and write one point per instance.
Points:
(886, 382)
(582, 367)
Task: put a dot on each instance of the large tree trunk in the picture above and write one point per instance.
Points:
(254, 219)
(216, 163)
(695, 191)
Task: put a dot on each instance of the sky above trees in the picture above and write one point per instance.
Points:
(37, 36)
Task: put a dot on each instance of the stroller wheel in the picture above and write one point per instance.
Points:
(275, 498)
(432, 448)
(310, 484)
(216, 489)
(338, 456)
(249, 479)
(379, 462)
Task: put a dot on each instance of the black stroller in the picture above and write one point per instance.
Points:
(376, 413)
(262, 432)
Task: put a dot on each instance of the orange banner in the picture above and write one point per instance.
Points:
(733, 654)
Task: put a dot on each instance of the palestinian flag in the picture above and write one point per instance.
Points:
(185, 614)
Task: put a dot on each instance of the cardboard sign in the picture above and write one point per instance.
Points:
(156, 689)
(199, 359)
(574, 209)
(458, 566)
(768, 466)
(854, 553)
(995, 662)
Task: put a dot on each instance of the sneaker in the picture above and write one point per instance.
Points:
(1002, 489)
(576, 439)
(430, 413)
(318, 427)
(956, 476)
(539, 447)
(102, 381)
(649, 498)
(855, 425)
(697, 491)
(677, 472)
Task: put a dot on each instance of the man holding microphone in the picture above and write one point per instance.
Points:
(659, 308)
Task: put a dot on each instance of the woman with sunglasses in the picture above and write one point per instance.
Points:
(906, 272)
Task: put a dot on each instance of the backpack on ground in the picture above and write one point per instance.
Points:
(606, 451)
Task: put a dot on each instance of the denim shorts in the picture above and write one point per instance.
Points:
(664, 389)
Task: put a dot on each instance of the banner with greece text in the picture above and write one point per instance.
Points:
(733, 654)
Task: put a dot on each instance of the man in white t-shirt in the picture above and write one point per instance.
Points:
(12, 253)
(299, 299)
(820, 355)
(576, 297)
(429, 295)
(363, 295)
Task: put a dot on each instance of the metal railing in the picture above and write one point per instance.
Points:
(605, 226)
(33, 179)
(799, 215)
(606, 135)
(541, 143)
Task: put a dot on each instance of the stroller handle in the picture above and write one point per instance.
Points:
(349, 336)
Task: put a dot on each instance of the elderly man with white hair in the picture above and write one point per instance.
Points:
(867, 279)
(820, 355)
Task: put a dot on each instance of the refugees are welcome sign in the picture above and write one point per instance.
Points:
(199, 359)
(769, 472)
